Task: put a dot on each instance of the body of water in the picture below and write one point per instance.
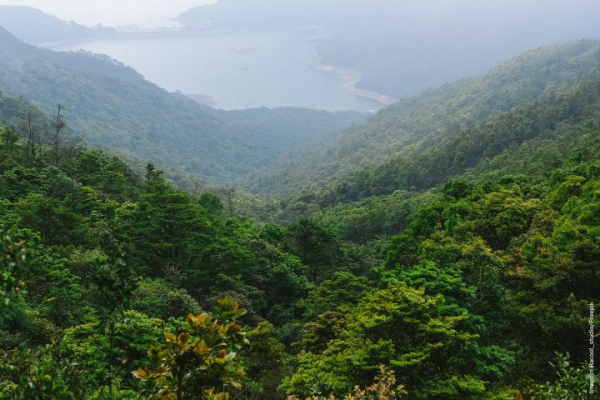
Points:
(270, 69)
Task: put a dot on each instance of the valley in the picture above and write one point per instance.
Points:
(279, 71)
(164, 237)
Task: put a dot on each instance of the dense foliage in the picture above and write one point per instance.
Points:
(528, 140)
(416, 124)
(120, 286)
(112, 105)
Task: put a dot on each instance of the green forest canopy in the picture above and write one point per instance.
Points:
(474, 285)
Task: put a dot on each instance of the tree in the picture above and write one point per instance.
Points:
(342, 289)
(160, 299)
(318, 248)
(570, 383)
(30, 127)
(400, 327)
(32, 375)
(267, 363)
(113, 285)
(384, 388)
(9, 141)
(12, 262)
(49, 216)
(211, 203)
(162, 228)
(87, 346)
(199, 360)
(58, 125)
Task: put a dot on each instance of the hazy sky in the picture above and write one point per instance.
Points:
(146, 13)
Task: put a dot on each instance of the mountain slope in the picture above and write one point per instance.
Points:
(112, 105)
(34, 26)
(415, 124)
(528, 143)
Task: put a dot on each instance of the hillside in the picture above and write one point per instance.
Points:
(415, 124)
(530, 142)
(35, 27)
(112, 105)
(110, 280)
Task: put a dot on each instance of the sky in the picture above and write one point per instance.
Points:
(143, 13)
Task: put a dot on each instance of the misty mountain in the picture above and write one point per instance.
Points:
(530, 142)
(12, 109)
(415, 124)
(403, 48)
(34, 26)
(445, 248)
(113, 105)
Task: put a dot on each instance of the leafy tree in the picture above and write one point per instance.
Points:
(88, 346)
(267, 363)
(49, 216)
(158, 299)
(384, 388)
(162, 227)
(401, 327)
(211, 203)
(12, 263)
(319, 249)
(198, 360)
(114, 284)
(570, 382)
(31, 375)
(343, 289)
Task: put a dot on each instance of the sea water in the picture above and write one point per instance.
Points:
(236, 70)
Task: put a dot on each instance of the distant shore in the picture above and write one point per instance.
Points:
(351, 79)
(150, 34)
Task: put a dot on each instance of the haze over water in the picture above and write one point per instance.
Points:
(270, 69)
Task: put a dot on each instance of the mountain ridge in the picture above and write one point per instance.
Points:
(414, 124)
(529, 142)
(113, 105)
(34, 26)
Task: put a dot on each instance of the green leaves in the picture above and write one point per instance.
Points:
(30, 374)
(12, 263)
(570, 382)
(199, 359)
(319, 249)
(397, 326)
(113, 285)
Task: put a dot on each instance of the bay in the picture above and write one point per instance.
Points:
(237, 70)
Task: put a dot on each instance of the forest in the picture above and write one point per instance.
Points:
(461, 264)
(113, 106)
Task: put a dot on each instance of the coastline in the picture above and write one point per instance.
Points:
(311, 35)
(150, 35)
(351, 78)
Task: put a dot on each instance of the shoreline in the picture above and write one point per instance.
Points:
(177, 33)
(351, 79)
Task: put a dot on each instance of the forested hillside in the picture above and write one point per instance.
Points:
(460, 268)
(112, 105)
(528, 141)
(415, 124)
